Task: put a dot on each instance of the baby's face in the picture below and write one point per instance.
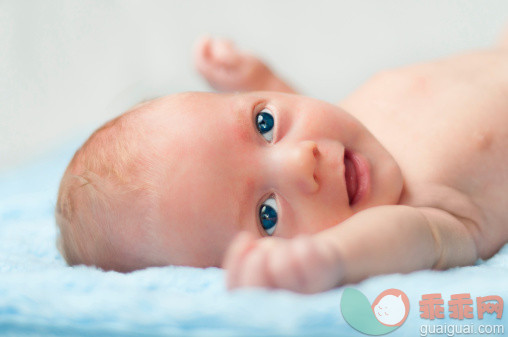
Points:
(264, 162)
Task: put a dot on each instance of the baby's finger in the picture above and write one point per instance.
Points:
(287, 269)
(282, 268)
(202, 49)
(232, 262)
(307, 263)
(224, 53)
(253, 272)
(318, 268)
(238, 246)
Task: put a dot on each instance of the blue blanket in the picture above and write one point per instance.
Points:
(41, 296)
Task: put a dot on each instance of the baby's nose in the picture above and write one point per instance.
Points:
(299, 165)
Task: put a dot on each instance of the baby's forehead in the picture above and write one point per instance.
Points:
(186, 100)
(197, 115)
(188, 161)
(200, 103)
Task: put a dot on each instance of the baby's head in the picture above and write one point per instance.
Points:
(173, 180)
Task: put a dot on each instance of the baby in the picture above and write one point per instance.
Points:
(409, 172)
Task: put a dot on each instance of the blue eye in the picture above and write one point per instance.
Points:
(265, 123)
(268, 215)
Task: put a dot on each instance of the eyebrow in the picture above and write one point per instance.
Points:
(245, 207)
(244, 119)
(243, 115)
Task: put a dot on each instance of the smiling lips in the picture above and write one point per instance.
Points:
(356, 176)
(351, 179)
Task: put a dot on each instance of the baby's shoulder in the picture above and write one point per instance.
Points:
(446, 124)
(485, 72)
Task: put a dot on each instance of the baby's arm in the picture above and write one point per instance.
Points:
(379, 240)
(228, 69)
(390, 239)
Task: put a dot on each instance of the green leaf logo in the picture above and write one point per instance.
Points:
(387, 312)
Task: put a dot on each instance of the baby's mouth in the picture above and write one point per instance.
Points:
(350, 176)
(357, 176)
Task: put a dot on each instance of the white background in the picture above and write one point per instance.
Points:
(68, 66)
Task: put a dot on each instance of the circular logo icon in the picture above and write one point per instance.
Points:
(388, 311)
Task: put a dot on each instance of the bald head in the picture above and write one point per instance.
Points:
(107, 197)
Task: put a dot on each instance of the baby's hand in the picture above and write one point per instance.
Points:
(228, 69)
(302, 264)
